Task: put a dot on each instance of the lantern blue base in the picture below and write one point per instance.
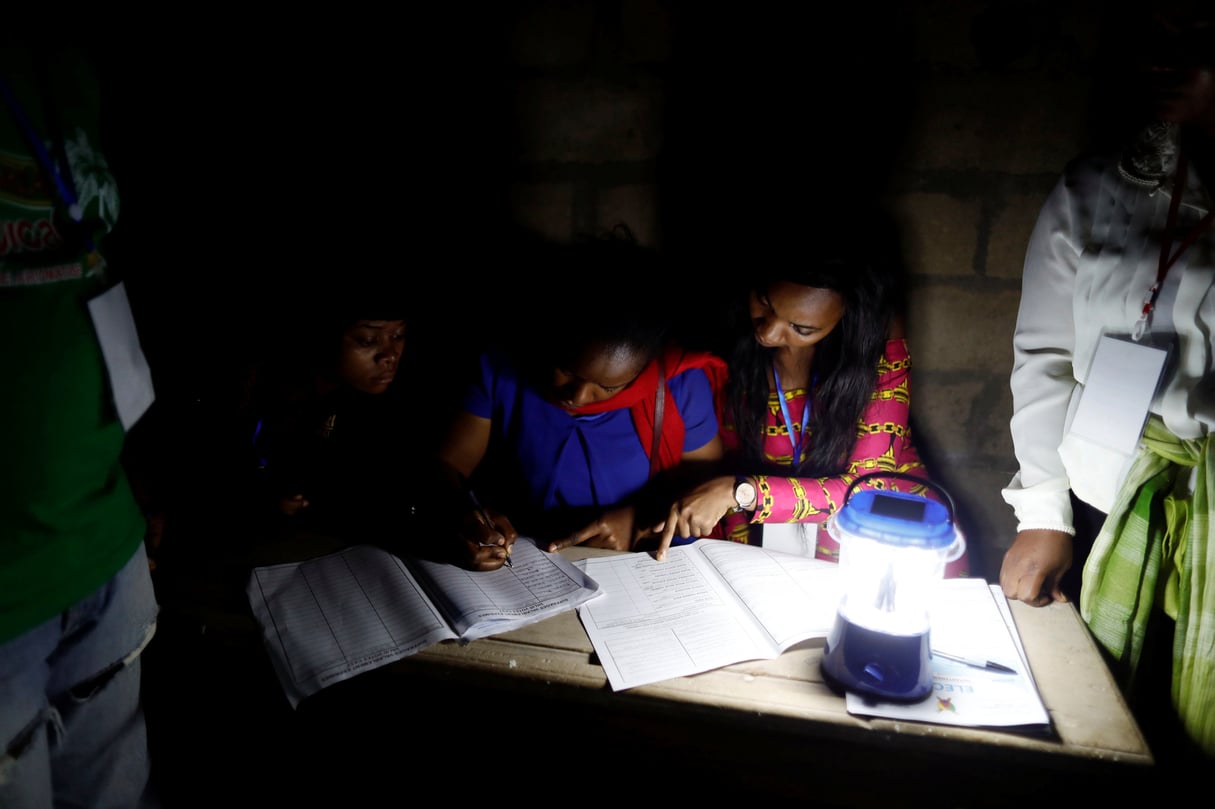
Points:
(864, 661)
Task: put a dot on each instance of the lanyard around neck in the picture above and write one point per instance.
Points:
(1168, 257)
(797, 440)
(61, 177)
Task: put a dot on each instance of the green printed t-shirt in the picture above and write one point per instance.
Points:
(68, 517)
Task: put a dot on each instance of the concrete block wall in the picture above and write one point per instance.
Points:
(720, 133)
(987, 142)
(958, 116)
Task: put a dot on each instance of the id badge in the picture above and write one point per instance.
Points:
(794, 537)
(1109, 419)
(130, 376)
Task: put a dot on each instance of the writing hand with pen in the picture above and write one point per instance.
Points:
(488, 537)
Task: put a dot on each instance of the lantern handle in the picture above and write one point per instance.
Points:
(953, 514)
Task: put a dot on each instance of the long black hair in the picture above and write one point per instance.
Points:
(844, 370)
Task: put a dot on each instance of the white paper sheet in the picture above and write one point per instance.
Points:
(970, 618)
(129, 374)
(1118, 393)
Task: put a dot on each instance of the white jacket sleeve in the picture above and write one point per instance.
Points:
(1043, 382)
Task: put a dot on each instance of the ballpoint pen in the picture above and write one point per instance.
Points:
(990, 665)
(472, 498)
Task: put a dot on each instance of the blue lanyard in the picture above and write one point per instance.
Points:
(799, 442)
(62, 178)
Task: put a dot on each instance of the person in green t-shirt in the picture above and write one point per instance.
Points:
(77, 604)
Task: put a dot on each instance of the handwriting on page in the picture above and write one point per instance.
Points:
(536, 583)
(710, 604)
(329, 618)
(658, 617)
(325, 623)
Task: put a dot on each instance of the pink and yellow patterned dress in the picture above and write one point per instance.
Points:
(883, 445)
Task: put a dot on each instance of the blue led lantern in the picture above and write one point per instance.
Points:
(893, 550)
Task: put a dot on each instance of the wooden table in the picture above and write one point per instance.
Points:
(774, 728)
(532, 710)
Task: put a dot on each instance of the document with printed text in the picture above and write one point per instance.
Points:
(971, 619)
(710, 604)
(327, 619)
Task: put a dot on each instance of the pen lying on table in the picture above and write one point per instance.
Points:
(483, 514)
(990, 665)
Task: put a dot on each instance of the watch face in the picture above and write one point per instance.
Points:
(744, 494)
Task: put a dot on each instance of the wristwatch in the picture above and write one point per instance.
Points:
(744, 495)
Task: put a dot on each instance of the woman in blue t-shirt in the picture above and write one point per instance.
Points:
(566, 433)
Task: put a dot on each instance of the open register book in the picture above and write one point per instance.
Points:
(715, 603)
(327, 619)
(710, 604)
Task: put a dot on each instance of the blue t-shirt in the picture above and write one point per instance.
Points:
(566, 461)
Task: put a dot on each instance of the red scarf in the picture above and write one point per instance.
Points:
(641, 393)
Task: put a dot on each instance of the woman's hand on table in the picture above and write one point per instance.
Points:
(613, 530)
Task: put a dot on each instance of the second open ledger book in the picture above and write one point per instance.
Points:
(327, 619)
(709, 604)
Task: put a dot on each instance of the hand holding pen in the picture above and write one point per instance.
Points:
(507, 533)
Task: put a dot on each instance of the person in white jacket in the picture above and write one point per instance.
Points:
(1122, 259)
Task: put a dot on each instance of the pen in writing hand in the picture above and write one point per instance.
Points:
(990, 665)
(472, 498)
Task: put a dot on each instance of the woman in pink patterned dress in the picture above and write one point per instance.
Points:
(819, 394)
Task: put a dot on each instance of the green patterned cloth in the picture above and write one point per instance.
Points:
(1155, 551)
